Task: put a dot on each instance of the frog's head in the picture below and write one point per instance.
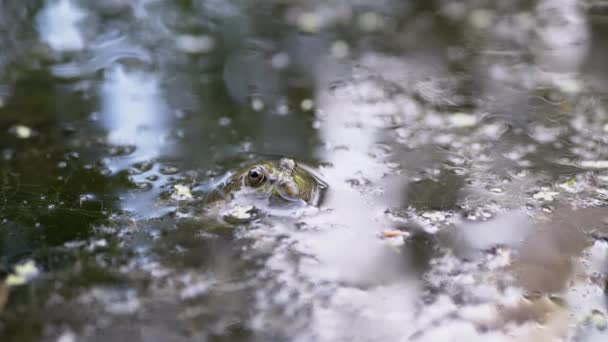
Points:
(281, 182)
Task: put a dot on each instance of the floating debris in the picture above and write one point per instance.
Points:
(24, 272)
(546, 196)
(395, 233)
(463, 120)
(240, 214)
(307, 104)
(598, 319)
(195, 44)
(594, 164)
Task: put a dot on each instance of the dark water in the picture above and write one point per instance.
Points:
(472, 132)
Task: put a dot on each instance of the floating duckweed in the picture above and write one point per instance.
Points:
(238, 214)
(181, 192)
(24, 272)
(22, 131)
(598, 319)
(547, 196)
(306, 104)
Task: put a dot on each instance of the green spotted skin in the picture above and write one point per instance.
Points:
(279, 181)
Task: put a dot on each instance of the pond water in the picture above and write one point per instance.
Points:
(464, 144)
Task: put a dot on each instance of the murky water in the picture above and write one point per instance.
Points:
(463, 142)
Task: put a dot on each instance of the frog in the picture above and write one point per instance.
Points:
(267, 184)
(278, 183)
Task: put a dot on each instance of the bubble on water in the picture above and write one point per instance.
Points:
(496, 189)
(141, 167)
(152, 178)
(195, 44)
(144, 186)
(122, 150)
(62, 164)
(547, 208)
(168, 170)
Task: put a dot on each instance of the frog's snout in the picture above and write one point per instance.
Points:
(288, 190)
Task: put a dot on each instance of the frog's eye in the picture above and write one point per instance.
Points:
(256, 176)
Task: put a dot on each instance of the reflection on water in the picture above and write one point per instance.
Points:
(59, 25)
(135, 114)
(463, 144)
